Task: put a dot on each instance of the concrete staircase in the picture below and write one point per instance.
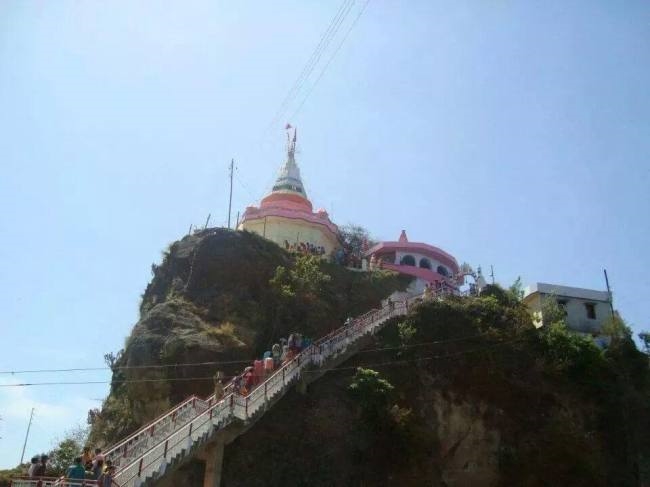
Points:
(196, 425)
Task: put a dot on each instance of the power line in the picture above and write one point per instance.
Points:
(244, 185)
(125, 367)
(338, 48)
(416, 359)
(89, 382)
(227, 362)
(323, 44)
(181, 379)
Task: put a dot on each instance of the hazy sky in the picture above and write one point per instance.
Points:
(508, 133)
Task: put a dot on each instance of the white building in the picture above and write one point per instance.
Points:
(586, 310)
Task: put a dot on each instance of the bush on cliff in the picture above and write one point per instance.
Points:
(223, 297)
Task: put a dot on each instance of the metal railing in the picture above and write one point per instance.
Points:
(167, 423)
(236, 406)
(160, 428)
(54, 482)
(149, 450)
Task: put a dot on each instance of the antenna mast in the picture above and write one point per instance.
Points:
(609, 292)
(22, 455)
(232, 163)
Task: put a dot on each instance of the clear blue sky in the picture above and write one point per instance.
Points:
(507, 133)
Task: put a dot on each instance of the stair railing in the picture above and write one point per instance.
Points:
(234, 405)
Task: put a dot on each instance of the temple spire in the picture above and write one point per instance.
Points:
(289, 180)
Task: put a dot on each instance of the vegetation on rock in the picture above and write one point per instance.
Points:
(464, 391)
(223, 296)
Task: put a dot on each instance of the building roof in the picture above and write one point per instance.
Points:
(567, 291)
(403, 245)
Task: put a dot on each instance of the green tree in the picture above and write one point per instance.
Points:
(552, 312)
(570, 352)
(616, 328)
(306, 276)
(63, 455)
(372, 393)
(516, 290)
(406, 331)
(6, 476)
(354, 237)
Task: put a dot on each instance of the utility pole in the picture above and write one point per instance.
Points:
(207, 221)
(232, 163)
(22, 455)
(609, 292)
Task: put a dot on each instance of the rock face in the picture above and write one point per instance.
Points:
(317, 440)
(477, 396)
(213, 300)
(469, 448)
(494, 409)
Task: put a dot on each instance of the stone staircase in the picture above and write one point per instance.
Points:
(155, 450)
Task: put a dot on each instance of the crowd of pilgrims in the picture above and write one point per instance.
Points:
(86, 466)
(304, 248)
(280, 354)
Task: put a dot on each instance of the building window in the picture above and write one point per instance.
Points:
(425, 263)
(561, 303)
(442, 271)
(591, 310)
(408, 260)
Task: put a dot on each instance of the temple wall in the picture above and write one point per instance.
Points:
(433, 263)
(279, 229)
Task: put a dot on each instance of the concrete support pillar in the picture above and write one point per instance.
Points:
(213, 464)
(301, 387)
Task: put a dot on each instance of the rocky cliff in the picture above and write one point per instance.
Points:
(223, 296)
(479, 398)
(463, 392)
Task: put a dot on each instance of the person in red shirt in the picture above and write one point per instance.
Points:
(249, 380)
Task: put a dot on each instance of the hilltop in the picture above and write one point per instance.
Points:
(464, 391)
(223, 296)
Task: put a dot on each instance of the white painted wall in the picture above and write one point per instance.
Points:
(576, 310)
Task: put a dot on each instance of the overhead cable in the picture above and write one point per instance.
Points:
(227, 362)
(329, 61)
(176, 379)
(323, 44)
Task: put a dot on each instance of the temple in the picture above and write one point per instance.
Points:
(426, 263)
(286, 217)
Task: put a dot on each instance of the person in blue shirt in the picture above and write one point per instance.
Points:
(76, 471)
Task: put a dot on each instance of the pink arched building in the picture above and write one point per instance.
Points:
(428, 264)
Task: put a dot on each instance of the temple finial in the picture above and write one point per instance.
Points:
(403, 238)
(291, 142)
